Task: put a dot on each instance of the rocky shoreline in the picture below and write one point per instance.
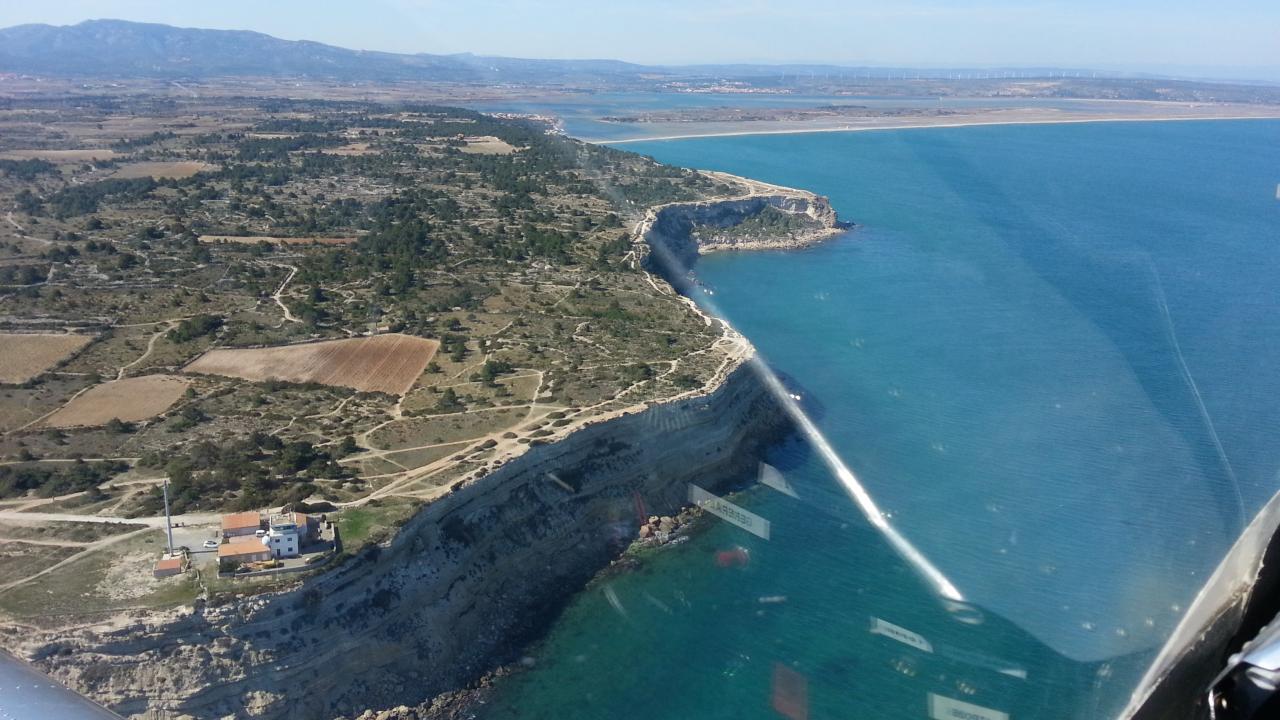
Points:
(671, 237)
(667, 529)
(423, 622)
(658, 532)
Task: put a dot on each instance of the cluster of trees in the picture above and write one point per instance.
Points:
(64, 253)
(645, 191)
(28, 203)
(324, 120)
(640, 180)
(551, 244)
(194, 327)
(269, 174)
(449, 402)
(255, 472)
(27, 170)
(491, 369)
(637, 372)
(23, 274)
(463, 296)
(338, 214)
(400, 238)
(455, 345)
(448, 122)
(49, 480)
(685, 380)
(613, 312)
(84, 199)
(187, 418)
(518, 176)
(612, 250)
(309, 310)
(769, 221)
(399, 243)
(127, 144)
(279, 149)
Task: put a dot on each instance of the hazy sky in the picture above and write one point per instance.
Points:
(1162, 35)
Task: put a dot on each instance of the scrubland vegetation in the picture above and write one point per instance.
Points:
(500, 245)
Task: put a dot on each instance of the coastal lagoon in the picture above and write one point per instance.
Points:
(1046, 352)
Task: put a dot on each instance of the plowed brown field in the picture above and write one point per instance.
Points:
(381, 363)
(130, 399)
(181, 169)
(24, 356)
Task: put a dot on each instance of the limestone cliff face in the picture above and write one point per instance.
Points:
(460, 587)
(677, 233)
(475, 573)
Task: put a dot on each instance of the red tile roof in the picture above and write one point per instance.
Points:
(173, 563)
(245, 546)
(241, 521)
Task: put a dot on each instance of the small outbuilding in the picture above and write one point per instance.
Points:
(170, 566)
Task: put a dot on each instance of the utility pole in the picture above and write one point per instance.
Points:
(168, 520)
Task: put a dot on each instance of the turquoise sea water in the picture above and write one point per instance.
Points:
(1049, 353)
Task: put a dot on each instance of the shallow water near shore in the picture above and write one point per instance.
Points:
(1047, 352)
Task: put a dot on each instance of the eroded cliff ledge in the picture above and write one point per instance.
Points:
(475, 574)
(766, 217)
(461, 586)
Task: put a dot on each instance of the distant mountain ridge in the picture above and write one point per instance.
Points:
(119, 48)
(125, 49)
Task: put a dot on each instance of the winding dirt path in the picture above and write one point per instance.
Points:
(151, 345)
(48, 543)
(87, 549)
(22, 230)
(288, 316)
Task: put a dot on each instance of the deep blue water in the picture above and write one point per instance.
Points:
(1049, 353)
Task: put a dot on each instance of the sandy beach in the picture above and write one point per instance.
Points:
(1028, 116)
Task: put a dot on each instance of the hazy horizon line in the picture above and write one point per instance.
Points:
(1251, 74)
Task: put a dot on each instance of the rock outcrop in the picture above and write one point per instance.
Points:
(677, 233)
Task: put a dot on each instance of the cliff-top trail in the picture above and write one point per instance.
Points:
(453, 337)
